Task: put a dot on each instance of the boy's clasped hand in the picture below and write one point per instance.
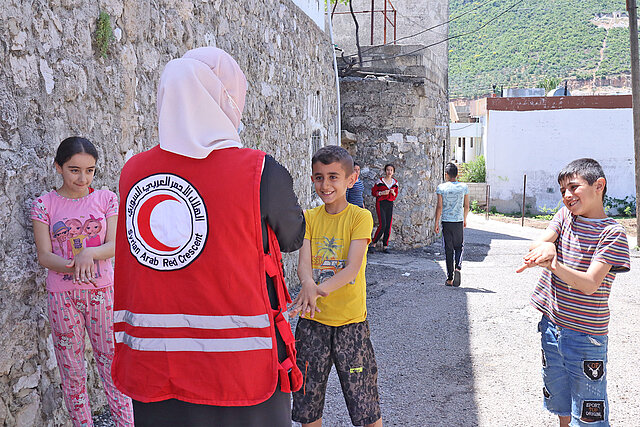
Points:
(542, 256)
(305, 302)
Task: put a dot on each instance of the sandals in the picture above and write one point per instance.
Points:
(456, 278)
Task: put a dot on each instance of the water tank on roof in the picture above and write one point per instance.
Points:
(559, 91)
(523, 92)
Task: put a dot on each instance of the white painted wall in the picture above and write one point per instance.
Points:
(540, 143)
(473, 148)
(314, 9)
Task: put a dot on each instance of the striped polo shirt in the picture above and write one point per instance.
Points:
(580, 242)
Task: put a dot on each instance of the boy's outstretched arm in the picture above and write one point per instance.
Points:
(585, 281)
(305, 302)
(542, 253)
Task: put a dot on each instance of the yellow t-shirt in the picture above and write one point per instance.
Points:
(330, 237)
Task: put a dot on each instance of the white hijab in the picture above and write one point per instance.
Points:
(200, 101)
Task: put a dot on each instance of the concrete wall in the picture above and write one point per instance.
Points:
(314, 9)
(478, 192)
(540, 142)
(53, 84)
(473, 146)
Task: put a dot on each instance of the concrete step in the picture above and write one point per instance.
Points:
(414, 70)
(375, 60)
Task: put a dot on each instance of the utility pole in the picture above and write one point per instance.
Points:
(635, 91)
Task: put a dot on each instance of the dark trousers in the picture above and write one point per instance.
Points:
(275, 411)
(384, 208)
(453, 236)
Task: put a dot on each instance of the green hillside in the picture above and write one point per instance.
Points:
(536, 39)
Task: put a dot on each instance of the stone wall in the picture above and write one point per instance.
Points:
(401, 121)
(54, 84)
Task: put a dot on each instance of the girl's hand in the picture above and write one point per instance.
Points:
(84, 267)
(305, 302)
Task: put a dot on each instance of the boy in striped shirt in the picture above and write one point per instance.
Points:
(581, 251)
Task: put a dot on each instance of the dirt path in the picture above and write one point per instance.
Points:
(604, 46)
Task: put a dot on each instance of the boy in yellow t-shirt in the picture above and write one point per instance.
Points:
(332, 301)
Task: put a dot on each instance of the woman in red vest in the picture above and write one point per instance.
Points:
(199, 288)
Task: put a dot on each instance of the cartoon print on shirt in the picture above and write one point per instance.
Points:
(326, 263)
(74, 244)
(91, 229)
(77, 244)
(60, 234)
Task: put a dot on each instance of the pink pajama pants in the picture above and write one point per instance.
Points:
(70, 313)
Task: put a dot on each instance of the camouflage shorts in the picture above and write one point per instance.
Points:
(349, 348)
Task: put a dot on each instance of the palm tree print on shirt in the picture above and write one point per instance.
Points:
(328, 248)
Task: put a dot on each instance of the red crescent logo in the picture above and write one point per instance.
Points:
(144, 222)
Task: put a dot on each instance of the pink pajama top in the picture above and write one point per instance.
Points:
(75, 224)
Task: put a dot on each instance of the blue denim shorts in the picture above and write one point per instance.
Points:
(574, 370)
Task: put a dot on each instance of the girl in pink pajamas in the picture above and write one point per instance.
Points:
(80, 281)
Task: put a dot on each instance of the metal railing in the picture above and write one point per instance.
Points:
(387, 11)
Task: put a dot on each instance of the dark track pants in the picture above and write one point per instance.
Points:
(453, 237)
(384, 208)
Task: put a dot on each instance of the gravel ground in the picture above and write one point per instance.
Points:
(470, 356)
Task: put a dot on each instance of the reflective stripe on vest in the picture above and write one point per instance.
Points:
(194, 344)
(190, 320)
(142, 320)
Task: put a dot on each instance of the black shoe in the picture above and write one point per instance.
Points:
(385, 250)
(372, 249)
(456, 278)
(446, 283)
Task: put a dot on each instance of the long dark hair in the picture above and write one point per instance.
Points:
(72, 146)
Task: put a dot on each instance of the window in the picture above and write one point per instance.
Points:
(316, 140)
(315, 123)
(471, 142)
(459, 142)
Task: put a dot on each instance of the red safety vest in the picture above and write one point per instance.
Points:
(192, 317)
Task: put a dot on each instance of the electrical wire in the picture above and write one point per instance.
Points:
(429, 28)
(444, 40)
(464, 127)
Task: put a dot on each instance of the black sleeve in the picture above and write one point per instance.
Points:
(279, 207)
